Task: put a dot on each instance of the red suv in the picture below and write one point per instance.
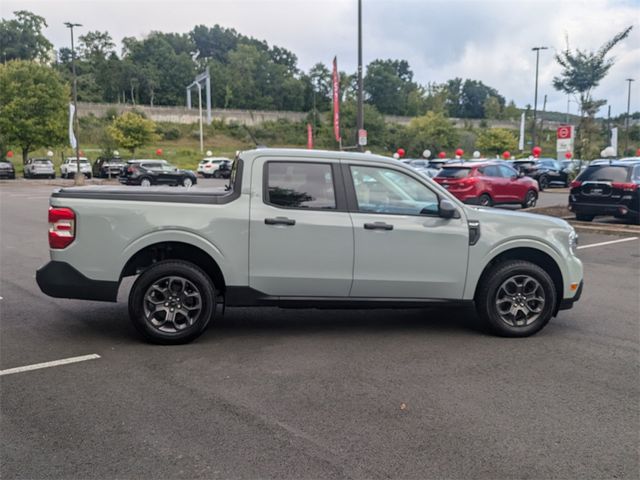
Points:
(488, 183)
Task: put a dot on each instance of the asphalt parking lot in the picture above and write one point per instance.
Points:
(306, 394)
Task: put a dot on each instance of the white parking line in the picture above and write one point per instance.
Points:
(608, 243)
(55, 363)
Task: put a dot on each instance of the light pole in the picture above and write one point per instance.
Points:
(78, 179)
(535, 98)
(360, 116)
(626, 133)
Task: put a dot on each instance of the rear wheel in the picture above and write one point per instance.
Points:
(584, 218)
(145, 182)
(485, 200)
(543, 182)
(216, 174)
(516, 298)
(187, 182)
(172, 302)
(530, 199)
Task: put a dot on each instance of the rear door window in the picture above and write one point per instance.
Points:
(300, 185)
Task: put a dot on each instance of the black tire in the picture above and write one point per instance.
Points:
(88, 175)
(144, 180)
(584, 218)
(187, 182)
(530, 199)
(543, 182)
(216, 174)
(141, 311)
(53, 176)
(485, 200)
(491, 285)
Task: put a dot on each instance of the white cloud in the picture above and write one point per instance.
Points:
(488, 40)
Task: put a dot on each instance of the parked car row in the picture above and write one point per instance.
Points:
(155, 172)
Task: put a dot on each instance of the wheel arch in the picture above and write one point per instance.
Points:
(174, 250)
(533, 255)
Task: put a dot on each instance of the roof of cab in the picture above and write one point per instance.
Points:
(305, 154)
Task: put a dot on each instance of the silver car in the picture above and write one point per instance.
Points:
(39, 168)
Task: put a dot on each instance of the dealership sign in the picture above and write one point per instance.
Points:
(564, 142)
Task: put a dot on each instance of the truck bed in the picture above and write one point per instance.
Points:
(211, 195)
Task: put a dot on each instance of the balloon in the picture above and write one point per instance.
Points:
(401, 152)
(159, 151)
(442, 155)
(476, 154)
(116, 153)
(536, 151)
(49, 154)
(638, 152)
(10, 154)
(396, 155)
(506, 154)
(459, 152)
(426, 153)
(209, 153)
(568, 155)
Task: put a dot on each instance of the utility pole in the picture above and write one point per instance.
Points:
(78, 178)
(626, 133)
(535, 98)
(360, 117)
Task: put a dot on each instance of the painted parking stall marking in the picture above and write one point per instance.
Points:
(55, 363)
(611, 242)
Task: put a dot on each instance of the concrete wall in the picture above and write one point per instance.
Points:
(256, 117)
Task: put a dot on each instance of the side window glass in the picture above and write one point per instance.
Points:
(382, 190)
(507, 172)
(492, 171)
(300, 185)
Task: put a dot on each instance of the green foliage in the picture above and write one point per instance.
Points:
(390, 88)
(131, 131)
(432, 131)
(33, 106)
(21, 38)
(494, 141)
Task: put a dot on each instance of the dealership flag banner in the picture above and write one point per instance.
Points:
(614, 141)
(309, 136)
(336, 100)
(72, 137)
(521, 142)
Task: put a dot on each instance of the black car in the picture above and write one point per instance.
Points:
(7, 170)
(155, 172)
(546, 171)
(607, 189)
(107, 167)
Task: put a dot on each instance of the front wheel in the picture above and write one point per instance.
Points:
(187, 182)
(516, 298)
(172, 302)
(530, 199)
(145, 182)
(485, 200)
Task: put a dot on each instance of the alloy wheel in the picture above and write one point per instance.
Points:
(172, 304)
(520, 300)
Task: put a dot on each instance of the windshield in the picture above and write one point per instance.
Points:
(453, 172)
(605, 173)
(44, 161)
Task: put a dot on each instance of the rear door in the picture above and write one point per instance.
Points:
(403, 249)
(301, 235)
(495, 183)
(515, 187)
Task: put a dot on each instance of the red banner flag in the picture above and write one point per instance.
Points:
(336, 100)
(309, 137)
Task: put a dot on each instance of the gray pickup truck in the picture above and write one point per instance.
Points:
(306, 228)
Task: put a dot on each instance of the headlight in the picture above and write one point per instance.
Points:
(573, 241)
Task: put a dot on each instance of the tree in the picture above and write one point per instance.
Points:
(582, 71)
(95, 45)
(388, 84)
(33, 106)
(492, 109)
(432, 131)
(21, 38)
(131, 131)
(494, 141)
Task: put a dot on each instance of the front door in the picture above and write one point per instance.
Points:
(301, 235)
(403, 248)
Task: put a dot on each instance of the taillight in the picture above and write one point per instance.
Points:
(627, 187)
(575, 184)
(62, 227)
(467, 182)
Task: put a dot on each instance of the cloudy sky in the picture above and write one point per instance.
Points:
(488, 40)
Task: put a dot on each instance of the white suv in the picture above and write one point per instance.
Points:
(39, 167)
(210, 167)
(69, 168)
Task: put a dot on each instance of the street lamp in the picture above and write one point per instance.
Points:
(535, 98)
(78, 179)
(626, 134)
(360, 116)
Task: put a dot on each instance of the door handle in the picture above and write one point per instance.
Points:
(279, 221)
(378, 226)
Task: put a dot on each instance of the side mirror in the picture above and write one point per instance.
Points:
(446, 209)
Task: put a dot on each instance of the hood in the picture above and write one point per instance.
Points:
(513, 217)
